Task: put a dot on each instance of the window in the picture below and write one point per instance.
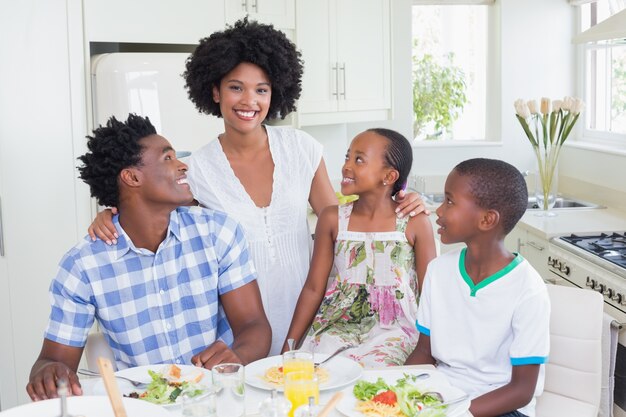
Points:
(604, 76)
(450, 71)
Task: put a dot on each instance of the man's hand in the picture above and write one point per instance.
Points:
(215, 354)
(43, 383)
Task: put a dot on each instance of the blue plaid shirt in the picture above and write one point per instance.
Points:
(153, 307)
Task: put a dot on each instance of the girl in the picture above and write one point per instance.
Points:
(378, 261)
(263, 176)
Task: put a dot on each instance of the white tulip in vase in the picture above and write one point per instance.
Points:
(547, 129)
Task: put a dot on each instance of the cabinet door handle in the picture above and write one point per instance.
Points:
(519, 245)
(535, 245)
(1, 232)
(255, 6)
(244, 5)
(334, 91)
(342, 68)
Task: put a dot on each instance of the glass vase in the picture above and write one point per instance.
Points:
(546, 186)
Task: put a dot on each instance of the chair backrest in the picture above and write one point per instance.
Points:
(96, 347)
(574, 370)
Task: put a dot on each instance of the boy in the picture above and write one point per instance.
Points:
(167, 292)
(484, 312)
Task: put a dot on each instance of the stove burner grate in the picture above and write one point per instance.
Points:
(608, 246)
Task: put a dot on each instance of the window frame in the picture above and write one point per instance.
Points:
(492, 97)
(603, 140)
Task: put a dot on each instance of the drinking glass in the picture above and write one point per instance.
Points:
(298, 361)
(299, 386)
(228, 384)
(200, 406)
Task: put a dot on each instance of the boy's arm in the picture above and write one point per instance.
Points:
(421, 354)
(315, 286)
(510, 397)
(56, 361)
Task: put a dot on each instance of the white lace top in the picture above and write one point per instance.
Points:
(278, 235)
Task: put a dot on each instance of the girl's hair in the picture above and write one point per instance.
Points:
(399, 155)
(245, 41)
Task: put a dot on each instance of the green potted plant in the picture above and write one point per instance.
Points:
(438, 95)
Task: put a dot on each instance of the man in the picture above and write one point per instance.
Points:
(167, 292)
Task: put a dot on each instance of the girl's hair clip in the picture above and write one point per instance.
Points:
(404, 186)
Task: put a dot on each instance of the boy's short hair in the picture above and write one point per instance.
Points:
(245, 41)
(497, 185)
(113, 148)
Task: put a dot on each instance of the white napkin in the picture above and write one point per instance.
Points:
(609, 352)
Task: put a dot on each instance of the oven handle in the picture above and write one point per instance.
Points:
(535, 245)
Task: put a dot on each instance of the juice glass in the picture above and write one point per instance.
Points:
(299, 386)
(298, 361)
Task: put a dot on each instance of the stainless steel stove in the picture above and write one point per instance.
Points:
(597, 262)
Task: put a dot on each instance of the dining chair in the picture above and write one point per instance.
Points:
(574, 369)
(96, 347)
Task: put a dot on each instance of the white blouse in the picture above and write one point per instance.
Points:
(278, 235)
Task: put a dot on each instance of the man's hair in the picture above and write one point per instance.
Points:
(245, 41)
(399, 155)
(497, 185)
(113, 148)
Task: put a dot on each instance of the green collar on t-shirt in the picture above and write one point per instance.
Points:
(475, 287)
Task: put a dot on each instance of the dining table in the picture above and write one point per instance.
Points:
(254, 396)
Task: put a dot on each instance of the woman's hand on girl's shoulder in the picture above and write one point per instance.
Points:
(103, 227)
(410, 204)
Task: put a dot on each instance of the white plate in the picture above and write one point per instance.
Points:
(341, 371)
(140, 373)
(89, 405)
(437, 382)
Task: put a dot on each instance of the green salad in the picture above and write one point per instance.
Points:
(163, 391)
(404, 393)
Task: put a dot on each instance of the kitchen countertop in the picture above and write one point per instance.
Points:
(574, 221)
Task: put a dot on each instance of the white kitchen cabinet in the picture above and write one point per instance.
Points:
(531, 246)
(40, 213)
(153, 21)
(345, 46)
(280, 13)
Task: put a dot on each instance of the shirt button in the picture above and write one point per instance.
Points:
(168, 326)
(177, 360)
(161, 292)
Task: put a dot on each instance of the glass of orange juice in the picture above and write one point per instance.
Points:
(299, 386)
(298, 361)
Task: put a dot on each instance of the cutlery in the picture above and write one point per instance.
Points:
(106, 370)
(337, 352)
(445, 403)
(89, 372)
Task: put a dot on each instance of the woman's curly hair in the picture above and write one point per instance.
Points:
(113, 148)
(245, 41)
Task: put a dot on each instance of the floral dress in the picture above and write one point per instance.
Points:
(371, 300)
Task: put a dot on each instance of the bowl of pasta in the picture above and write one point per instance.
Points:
(267, 373)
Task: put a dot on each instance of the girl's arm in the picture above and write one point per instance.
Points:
(420, 235)
(315, 286)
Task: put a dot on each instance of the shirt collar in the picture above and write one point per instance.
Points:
(125, 244)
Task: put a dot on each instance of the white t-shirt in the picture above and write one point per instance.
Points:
(278, 235)
(478, 332)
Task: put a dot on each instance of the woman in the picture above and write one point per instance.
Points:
(263, 176)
